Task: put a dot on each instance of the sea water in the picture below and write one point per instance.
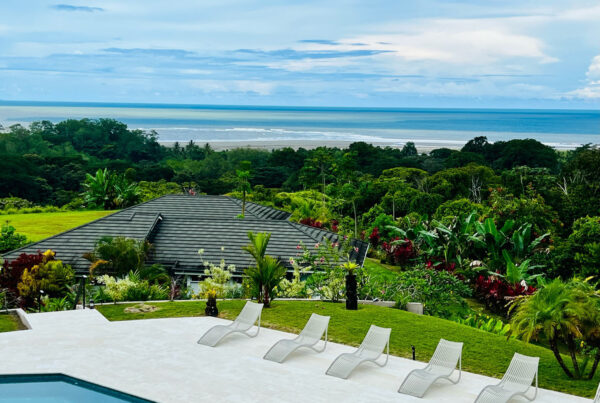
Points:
(562, 129)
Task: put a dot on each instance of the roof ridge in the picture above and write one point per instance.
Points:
(235, 201)
(83, 225)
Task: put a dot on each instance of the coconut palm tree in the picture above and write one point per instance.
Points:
(563, 312)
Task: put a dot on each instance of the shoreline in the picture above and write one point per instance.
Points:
(269, 145)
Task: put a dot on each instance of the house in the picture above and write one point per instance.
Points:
(178, 226)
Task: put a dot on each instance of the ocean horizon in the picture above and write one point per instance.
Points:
(276, 126)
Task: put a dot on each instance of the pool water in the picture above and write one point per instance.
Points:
(58, 388)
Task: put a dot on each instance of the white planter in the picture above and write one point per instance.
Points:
(415, 307)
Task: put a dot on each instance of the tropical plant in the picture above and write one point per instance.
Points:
(117, 255)
(109, 190)
(566, 313)
(56, 304)
(268, 271)
(486, 323)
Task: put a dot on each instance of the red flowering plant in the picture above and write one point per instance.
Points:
(497, 293)
(398, 251)
(312, 222)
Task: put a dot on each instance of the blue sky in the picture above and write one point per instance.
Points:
(426, 53)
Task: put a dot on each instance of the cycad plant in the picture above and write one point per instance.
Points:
(565, 313)
(268, 271)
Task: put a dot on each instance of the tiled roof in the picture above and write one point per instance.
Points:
(179, 226)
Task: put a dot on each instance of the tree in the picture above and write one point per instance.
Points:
(243, 179)
(564, 313)
(409, 150)
(268, 271)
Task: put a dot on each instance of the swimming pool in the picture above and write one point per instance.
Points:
(58, 388)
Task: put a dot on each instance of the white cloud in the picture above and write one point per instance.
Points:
(592, 87)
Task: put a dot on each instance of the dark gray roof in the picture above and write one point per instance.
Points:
(178, 226)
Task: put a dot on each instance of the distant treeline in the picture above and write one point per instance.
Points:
(46, 164)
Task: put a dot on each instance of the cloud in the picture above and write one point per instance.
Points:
(292, 54)
(592, 88)
(68, 7)
(319, 41)
(149, 52)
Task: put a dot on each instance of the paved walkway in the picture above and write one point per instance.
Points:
(159, 359)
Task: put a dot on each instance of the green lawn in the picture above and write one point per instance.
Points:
(483, 353)
(9, 322)
(37, 226)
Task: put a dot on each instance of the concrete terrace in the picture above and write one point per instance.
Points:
(158, 359)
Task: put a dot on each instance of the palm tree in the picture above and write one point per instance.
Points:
(563, 312)
(268, 272)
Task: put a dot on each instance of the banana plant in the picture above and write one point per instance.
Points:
(523, 246)
(516, 273)
(493, 240)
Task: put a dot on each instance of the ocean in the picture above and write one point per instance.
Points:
(428, 128)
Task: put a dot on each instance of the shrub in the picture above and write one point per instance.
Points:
(440, 292)
(132, 288)
(117, 255)
(296, 288)
(51, 276)
(216, 280)
(398, 251)
(497, 293)
(10, 275)
(14, 203)
(10, 240)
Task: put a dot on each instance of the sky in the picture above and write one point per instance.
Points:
(392, 53)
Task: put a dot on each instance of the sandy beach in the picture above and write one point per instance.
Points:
(422, 146)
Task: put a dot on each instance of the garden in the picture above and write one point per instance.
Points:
(500, 242)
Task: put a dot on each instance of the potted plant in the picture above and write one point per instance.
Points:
(351, 292)
(211, 304)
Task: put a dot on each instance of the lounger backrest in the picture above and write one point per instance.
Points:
(446, 354)
(249, 314)
(597, 398)
(315, 327)
(375, 341)
(521, 372)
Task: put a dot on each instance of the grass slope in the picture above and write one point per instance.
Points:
(484, 353)
(37, 226)
(9, 322)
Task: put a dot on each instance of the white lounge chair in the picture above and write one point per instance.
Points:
(309, 337)
(242, 324)
(515, 382)
(441, 366)
(597, 397)
(376, 340)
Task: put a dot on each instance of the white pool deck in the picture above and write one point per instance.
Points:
(158, 359)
